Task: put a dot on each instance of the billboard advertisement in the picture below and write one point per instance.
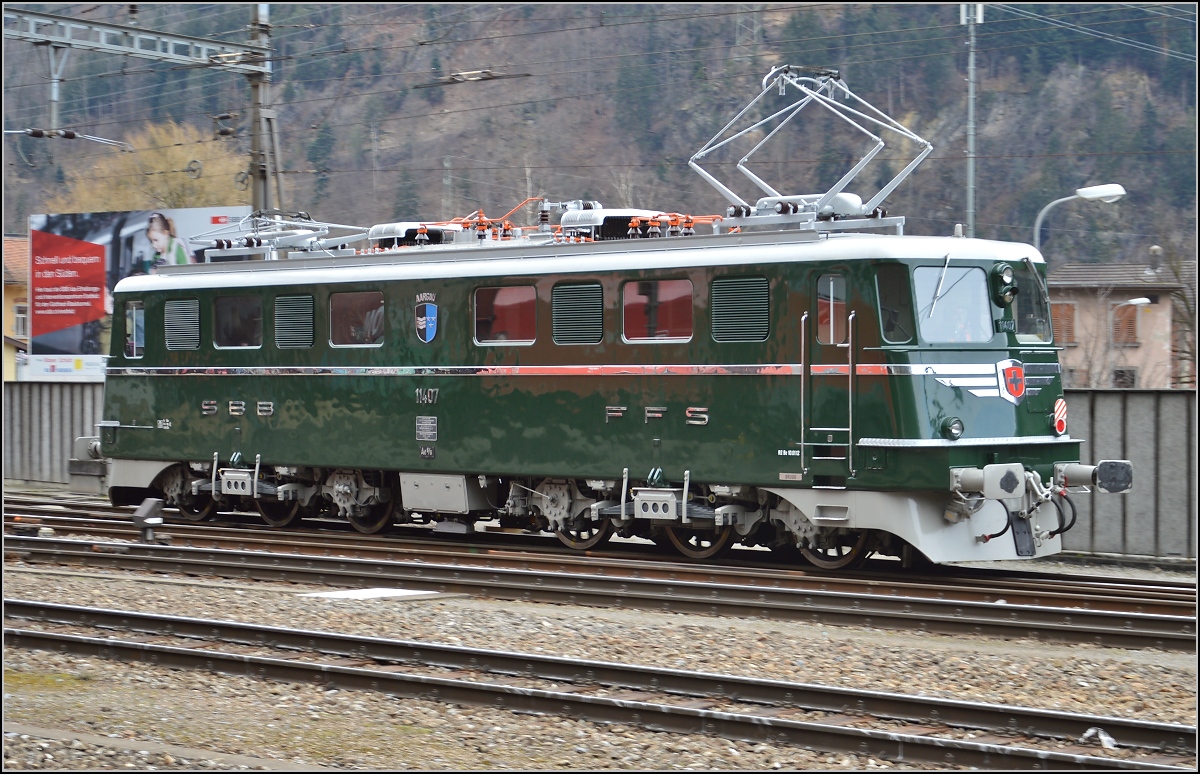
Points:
(76, 259)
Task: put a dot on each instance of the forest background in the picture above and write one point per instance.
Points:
(608, 103)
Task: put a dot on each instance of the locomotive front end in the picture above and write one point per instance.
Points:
(991, 405)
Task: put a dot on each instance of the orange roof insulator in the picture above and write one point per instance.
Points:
(735, 230)
(635, 228)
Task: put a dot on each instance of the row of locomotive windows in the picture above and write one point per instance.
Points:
(652, 311)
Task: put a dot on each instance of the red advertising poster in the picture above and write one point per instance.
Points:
(66, 282)
(76, 259)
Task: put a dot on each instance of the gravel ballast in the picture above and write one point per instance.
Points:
(354, 729)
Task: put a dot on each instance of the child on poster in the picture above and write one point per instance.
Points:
(169, 248)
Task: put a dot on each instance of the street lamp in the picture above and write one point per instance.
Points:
(1108, 193)
(1133, 302)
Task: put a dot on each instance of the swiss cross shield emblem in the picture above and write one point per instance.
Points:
(1011, 376)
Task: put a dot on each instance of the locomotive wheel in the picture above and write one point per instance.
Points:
(851, 551)
(278, 514)
(197, 508)
(587, 534)
(375, 518)
(700, 544)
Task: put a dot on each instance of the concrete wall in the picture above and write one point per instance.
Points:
(1154, 429)
(41, 422)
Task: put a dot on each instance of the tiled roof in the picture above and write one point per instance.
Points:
(1127, 276)
(1119, 275)
(16, 261)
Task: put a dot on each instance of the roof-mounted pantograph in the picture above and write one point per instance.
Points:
(820, 88)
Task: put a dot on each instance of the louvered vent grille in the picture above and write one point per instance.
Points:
(294, 322)
(578, 314)
(740, 309)
(182, 324)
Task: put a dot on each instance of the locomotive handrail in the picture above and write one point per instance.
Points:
(624, 490)
(850, 396)
(804, 364)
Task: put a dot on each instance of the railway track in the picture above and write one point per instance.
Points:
(51, 503)
(893, 726)
(1044, 589)
(715, 593)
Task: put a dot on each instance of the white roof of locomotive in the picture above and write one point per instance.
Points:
(514, 260)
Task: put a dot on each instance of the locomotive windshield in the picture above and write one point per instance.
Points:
(952, 304)
(1031, 307)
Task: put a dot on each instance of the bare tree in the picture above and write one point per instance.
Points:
(1183, 313)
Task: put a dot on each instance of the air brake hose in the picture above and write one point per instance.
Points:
(1007, 524)
(1074, 513)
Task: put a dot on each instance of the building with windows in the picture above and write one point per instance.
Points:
(16, 303)
(1108, 341)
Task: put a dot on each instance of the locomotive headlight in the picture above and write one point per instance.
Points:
(1004, 284)
(952, 428)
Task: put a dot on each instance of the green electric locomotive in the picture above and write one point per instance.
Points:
(795, 379)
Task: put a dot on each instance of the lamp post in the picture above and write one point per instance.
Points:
(1108, 193)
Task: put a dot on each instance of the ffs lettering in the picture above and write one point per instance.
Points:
(692, 415)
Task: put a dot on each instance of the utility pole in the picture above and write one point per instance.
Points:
(748, 33)
(264, 140)
(374, 160)
(56, 74)
(971, 14)
(61, 34)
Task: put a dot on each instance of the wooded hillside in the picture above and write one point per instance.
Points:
(608, 102)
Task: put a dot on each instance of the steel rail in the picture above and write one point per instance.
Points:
(1112, 596)
(1109, 629)
(655, 716)
(950, 712)
(55, 502)
(963, 576)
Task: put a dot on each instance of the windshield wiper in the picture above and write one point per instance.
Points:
(938, 293)
(1036, 276)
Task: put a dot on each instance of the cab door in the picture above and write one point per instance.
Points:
(829, 374)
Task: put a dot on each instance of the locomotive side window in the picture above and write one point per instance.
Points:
(356, 319)
(657, 310)
(506, 315)
(293, 322)
(237, 321)
(895, 303)
(831, 309)
(135, 329)
(953, 306)
(740, 309)
(1031, 308)
(577, 313)
(181, 323)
